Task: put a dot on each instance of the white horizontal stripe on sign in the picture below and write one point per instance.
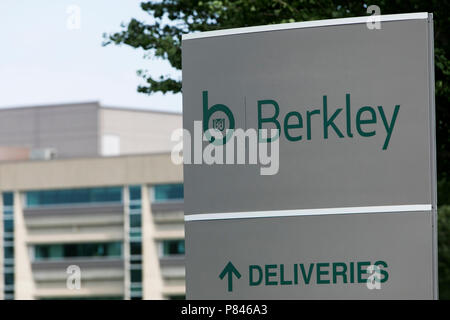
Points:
(307, 212)
(306, 24)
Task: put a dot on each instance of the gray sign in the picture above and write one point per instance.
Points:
(356, 182)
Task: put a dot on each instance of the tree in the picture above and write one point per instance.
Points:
(172, 18)
(444, 252)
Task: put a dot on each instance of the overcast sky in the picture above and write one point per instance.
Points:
(43, 61)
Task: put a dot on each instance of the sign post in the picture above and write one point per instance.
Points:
(341, 202)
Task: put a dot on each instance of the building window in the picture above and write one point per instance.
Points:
(9, 279)
(177, 297)
(73, 196)
(75, 250)
(8, 252)
(168, 192)
(8, 199)
(135, 193)
(135, 241)
(135, 248)
(135, 221)
(8, 225)
(136, 275)
(8, 245)
(172, 248)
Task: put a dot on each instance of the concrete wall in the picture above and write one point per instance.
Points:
(78, 223)
(168, 224)
(23, 276)
(87, 130)
(71, 129)
(139, 131)
(14, 153)
(89, 172)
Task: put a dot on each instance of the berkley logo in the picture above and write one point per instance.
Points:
(297, 125)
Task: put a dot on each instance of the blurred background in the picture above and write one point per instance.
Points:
(91, 204)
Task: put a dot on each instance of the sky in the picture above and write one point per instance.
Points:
(47, 58)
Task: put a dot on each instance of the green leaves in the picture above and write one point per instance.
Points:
(444, 251)
(161, 38)
(163, 85)
(172, 18)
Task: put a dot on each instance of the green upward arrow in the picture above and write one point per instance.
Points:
(229, 270)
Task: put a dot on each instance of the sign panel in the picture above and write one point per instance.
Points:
(341, 202)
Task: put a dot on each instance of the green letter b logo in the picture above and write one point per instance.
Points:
(218, 123)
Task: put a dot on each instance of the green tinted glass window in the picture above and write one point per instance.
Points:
(9, 279)
(7, 199)
(8, 225)
(135, 207)
(135, 248)
(8, 237)
(136, 275)
(8, 245)
(169, 192)
(73, 196)
(138, 289)
(173, 247)
(72, 250)
(135, 220)
(136, 234)
(8, 252)
(135, 192)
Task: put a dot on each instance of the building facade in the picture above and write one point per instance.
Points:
(96, 225)
(85, 130)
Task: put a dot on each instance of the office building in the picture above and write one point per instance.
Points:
(91, 205)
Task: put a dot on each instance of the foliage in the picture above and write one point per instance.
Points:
(444, 251)
(443, 188)
(171, 18)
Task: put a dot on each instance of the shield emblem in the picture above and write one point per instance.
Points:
(219, 124)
